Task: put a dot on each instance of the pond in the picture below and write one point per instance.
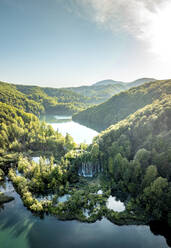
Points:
(114, 204)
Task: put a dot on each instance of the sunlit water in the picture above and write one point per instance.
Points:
(80, 133)
(19, 228)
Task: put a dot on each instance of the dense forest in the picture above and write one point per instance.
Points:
(62, 101)
(10, 95)
(103, 90)
(21, 131)
(131, 158)
(40, 101)
(136, 156)
(120, 106)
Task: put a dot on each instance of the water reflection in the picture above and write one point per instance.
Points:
(16, 221)
(100, 234)
(19, 228)
(64, 125)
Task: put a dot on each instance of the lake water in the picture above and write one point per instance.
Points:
(65, 124)
(19, 228)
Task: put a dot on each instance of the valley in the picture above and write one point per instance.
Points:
(116, 181)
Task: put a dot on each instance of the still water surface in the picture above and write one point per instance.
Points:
(19, 228)
(65, 124)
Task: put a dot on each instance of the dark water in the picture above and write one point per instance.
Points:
(19, 228)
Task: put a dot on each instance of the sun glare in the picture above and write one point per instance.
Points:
(160, 30)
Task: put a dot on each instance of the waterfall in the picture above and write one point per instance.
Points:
(88, 169)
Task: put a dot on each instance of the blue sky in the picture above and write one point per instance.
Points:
(62, 43)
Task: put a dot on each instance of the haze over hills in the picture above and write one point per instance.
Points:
(108, 82)
(103, 90)
(125, 84)
(62, 100)
(123, 104)
(140, 82)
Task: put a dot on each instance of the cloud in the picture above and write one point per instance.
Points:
(148, 21)
(132, 16)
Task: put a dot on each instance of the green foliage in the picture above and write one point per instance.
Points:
(55, 101)
(122, 105)
(97, 94)
(20, 131)
(150, 175)
(155, 197)
(135, 155)
(1, 175)
(143, 156)
(11, 96)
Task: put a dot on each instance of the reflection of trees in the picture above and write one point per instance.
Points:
(161, 228)
(1, 207)
(18, 224)
(13, 215)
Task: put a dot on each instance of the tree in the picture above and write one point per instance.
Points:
(154, 197)
(143, 157)
(150, 175)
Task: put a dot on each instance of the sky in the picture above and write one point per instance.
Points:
(61, 43)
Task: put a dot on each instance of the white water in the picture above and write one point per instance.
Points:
(37, 160)
(64, 198)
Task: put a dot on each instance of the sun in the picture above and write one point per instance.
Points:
(160, 30)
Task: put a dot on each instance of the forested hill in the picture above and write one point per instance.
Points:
(122, 105)
(55, 101)
(46, 100)
(99, 93)
(136, 156)
(11, 96)
(103, 90)
(62, 101)
(38, 100)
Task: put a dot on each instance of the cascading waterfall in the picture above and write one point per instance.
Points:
(89, 169)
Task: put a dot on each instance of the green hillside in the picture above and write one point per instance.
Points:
(103, 90)
(135, 155)
(99, 93)
(38, 100)
(62, 101)
(23, 132)
(10, 95)
(120, 106)
(55, 101)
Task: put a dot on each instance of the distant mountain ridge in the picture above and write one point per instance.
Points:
(107, 82)
(126, 84)
(140, 82)
(122, 105)
(62, 100)
(103, 90)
